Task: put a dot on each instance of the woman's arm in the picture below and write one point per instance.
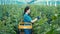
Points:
(34, 20)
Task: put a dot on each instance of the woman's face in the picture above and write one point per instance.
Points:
(28, 11)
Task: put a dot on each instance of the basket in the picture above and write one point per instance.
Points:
(23, 25)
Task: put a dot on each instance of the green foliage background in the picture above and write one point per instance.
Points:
(11, 15)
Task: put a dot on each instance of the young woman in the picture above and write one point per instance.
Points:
(28, 19)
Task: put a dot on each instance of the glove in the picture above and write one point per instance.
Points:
(38, 17)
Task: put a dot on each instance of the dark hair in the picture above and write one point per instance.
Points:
(26, 8)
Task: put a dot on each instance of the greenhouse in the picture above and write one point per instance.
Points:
(29, 16)
(43, 2)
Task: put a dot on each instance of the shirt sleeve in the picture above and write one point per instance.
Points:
(27, 18)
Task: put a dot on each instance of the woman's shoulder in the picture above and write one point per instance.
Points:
(25, 15)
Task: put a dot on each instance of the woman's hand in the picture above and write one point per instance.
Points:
(38, 17)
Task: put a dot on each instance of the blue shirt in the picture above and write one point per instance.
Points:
(27, 18)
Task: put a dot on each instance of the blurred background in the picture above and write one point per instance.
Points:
(11, 13)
